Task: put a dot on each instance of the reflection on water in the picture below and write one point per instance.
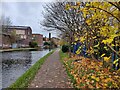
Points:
(14, 64)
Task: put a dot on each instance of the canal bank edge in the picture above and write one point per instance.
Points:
(17, 49)
(24, 80)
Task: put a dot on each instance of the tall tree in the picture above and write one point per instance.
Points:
(5, 22)
(56, 17)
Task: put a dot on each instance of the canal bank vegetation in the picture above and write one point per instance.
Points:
(24, 80)
(62, 57)
(89, 73)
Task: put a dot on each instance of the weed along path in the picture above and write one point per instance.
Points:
(51, 74)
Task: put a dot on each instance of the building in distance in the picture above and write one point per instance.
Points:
(19, 36)
(38, 38)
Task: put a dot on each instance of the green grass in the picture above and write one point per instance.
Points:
(24, 80)
(62, 56)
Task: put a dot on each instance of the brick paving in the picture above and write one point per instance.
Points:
(52, 74)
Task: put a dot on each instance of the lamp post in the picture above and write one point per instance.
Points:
(50, 41)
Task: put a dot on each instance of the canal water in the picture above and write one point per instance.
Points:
(15, 63)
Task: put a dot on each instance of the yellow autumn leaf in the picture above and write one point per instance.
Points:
(78, 3)
(107, 80)
(116, 64)
(103, 55)
(95, 16)
(76, 39)
(107, 41)
(77, 52)
(105, 47)
(87, 4)
(97, 79)
(96, 3)
(91, 48)
(116, 12)
(74, 43)
(112, 45)
(100, 63)
(102, 77)
(67, 7)
(115, 61)
(93, 77)
(105, 84)
(97, 45)
(88, 21)
(107, 59)
(75, 7)
(81, 9)
(105, 5)
(100, 6)
(84, 15)
(94, 37)
(82, 39)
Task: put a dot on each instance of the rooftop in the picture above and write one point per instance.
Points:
(17, 27)
(36, 34)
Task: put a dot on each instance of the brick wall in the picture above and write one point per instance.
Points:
(38, 38)
(5, 41)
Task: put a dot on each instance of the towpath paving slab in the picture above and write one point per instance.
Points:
(52, 74)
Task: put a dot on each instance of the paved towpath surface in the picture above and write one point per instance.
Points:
(52, 74)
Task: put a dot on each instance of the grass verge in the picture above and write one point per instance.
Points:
(67, 66)
(24, 80)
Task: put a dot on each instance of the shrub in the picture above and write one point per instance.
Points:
(46, 43)
(33, 44)
(65, 48)
(71, 48)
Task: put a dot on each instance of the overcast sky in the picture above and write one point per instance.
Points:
(26, 14)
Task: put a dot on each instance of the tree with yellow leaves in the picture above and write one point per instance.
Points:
(101, 22)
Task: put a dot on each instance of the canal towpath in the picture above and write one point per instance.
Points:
(52, 74)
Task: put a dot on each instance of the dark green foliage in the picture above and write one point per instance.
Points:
(71, 47)
(55, 46)
(33, 44)
(46, 43)
(65, 48)
(101, 49)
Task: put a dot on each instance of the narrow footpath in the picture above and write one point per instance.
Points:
(52, 74)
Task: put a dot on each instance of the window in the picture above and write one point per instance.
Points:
(20, 31)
